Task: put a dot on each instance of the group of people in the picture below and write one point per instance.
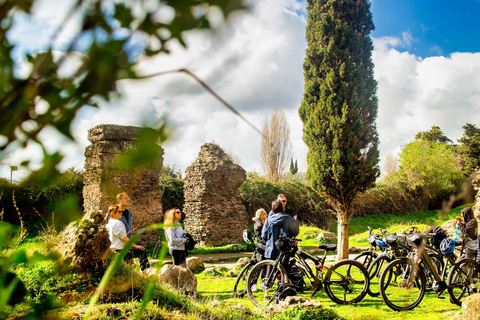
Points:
(269, 227)
(119, 227)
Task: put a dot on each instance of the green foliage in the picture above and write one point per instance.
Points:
(172, 192)
(469, 149)
(13, 289)
(293, 167)
(257, 192)
(339, 106)
(105, 59)
(435, 134)
(55, 204)
(429, 168)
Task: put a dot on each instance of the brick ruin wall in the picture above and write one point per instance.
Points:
(103, 179)
(213, 207)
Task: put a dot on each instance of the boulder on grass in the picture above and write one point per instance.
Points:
(84, 243)
(195, 263)
(327, 235)
(242, 262)
(179, 278)
(471, 307)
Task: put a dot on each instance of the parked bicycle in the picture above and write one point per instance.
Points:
(240, 286)
(403, 283)
(345, 282)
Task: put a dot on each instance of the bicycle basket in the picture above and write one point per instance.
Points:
(392, 239)
(414, 240)
(371, 239)
(248, 237)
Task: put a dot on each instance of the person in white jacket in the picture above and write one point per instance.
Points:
(118, 238)
(175, 236)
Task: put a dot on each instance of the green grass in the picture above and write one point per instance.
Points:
(370, 308)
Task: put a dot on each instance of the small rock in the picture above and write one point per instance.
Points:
(327, 235)
(354, 250)
(195, 263)
(243, 261)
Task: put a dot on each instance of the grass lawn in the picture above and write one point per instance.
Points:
(430, 308)
(220, 287)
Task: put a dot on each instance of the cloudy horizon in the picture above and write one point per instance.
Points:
(255, 64)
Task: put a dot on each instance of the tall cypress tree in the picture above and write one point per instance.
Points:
(339, 106)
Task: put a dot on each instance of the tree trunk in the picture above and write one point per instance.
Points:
(342, 233)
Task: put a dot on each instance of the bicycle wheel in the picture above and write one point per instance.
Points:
(346, 282)
(402, 285)
(240, 286)
(366, 258)
(269, 284)
(374, 272)
(462, 280)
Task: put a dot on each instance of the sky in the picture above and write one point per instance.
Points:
(427, 65)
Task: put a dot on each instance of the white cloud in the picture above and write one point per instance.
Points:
(255, 63)
(415, 94)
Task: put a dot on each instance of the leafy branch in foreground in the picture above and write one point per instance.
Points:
(49, 97)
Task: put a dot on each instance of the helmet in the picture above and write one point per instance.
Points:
(447, 245)
(381, 243)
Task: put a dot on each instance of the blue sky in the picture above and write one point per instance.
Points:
(439, 27)
(427, 65)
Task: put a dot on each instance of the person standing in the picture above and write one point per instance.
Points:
(258, 221)
(175, 236)
(123, 202)
(469, 229)
(118, 238)
(286, 210)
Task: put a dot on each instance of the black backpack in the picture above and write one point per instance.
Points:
(439, 235)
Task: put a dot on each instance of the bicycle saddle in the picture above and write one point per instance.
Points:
(328, 247)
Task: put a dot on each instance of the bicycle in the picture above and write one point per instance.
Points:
(345, 282)
(395, 250)
(366, 258)
(402, 284)
(240, 286)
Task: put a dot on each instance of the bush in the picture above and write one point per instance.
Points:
(56, 204)
(257, 192)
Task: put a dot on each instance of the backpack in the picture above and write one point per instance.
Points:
(439, 235)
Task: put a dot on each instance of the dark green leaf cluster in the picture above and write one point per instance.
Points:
(339, 106)
(48, 97)
(293, 167)
(435, 134)
(469, 149)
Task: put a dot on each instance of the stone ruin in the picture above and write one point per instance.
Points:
(213, 208)
(104, 178)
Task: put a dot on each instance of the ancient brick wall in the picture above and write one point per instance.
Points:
(104, 179)
(213, 208)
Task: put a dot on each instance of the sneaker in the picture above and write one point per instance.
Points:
(254, 288)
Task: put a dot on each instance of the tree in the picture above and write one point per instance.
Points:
(48, 98)
(430, 167)
(435, 134)
(293, 167)
(276, 146)
(469, 149)
(390, 166)
(339, 106)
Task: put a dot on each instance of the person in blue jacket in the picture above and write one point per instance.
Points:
(277, 223)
